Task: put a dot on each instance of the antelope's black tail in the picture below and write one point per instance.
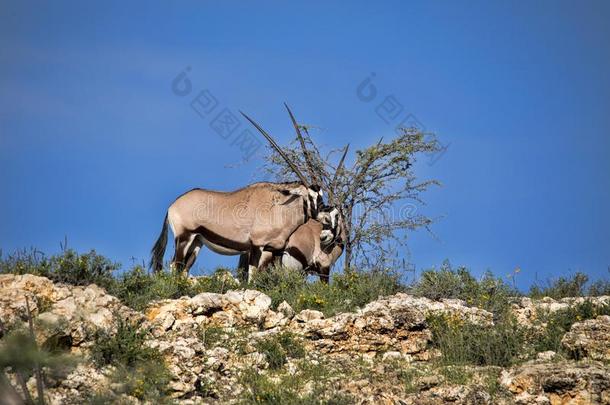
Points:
(157, 252)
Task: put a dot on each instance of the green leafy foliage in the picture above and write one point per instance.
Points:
(277, 348)
(137, 288)
(345, 292)
(599, 287)
(126, 346)
(489, 292)
(211, 335)
(462, 342)
(19, 353)
(506, 342)
(69, 267)
(286, 388)
(139, 368)
(291, 345)
(21, 356)
(572, 286)
(273, 351)
(560, 322)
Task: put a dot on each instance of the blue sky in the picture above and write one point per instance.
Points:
(94, 144)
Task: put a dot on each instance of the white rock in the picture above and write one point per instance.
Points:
(307, 315)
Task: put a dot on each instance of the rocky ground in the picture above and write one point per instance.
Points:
(233, 347)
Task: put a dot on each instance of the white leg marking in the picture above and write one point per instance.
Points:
(251, 271)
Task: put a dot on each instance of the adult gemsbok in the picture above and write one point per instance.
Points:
(255, 218)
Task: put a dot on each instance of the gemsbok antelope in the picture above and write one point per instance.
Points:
(315, 246)
(259, 217)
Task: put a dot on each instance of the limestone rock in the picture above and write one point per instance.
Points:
(72, 314)
(528, 311)
(396, 323)
(307, 315)
(286, 309)
(590, 338)
(559, 383)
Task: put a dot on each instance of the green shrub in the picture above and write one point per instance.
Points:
(260, 389)
(291, 345)
(279, 283)
(560, 322)
(273, 351)
(126, 346)
(219, 282)
(345, 292)
(24, 262)
(68, 267)
(137, 287)
(139, 368)
(463, 343)
(210, 335)
(407, 375)
(278, 347)
(572, 286)
(598, 288)
(20, 354)
(146, 380)
(459, 375)
(489, 293)
(354, 289)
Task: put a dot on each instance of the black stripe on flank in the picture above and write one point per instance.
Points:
(221, 240)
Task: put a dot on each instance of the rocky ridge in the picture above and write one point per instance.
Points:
(210, 341)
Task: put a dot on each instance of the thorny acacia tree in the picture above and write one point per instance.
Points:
(378, 194)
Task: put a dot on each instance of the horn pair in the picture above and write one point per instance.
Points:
(279, 150)
(310, 166)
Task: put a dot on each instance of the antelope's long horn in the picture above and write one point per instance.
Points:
(333, 184)
(310, 169)
(278, 149)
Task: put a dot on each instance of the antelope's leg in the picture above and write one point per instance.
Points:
(324, 274)
(255, 256)
(265, 260)
(242, 267)
(192, 252)
(182, 244)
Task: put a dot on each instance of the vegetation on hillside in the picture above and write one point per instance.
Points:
(141, 372)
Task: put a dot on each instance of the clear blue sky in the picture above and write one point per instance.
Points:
(94, 145)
